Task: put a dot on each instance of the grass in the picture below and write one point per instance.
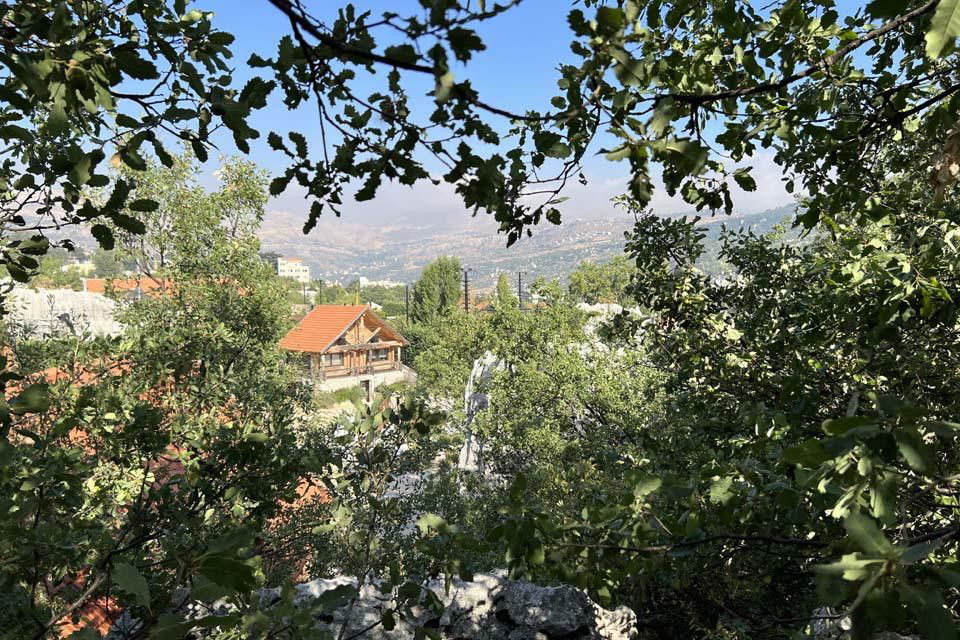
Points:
(325, 399)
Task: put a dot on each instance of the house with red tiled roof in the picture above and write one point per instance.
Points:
(348, 345)
(126, 286)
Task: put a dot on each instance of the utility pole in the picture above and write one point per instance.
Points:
(406, 302)
(520, 289)
(466, 289)
(304, 293)
(320, 295)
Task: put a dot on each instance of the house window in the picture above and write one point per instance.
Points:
(379, 354)
(333, 359)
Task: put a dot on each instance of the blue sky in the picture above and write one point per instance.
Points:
(517, 71)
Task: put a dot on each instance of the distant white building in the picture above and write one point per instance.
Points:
(293, 268)
(367, 282)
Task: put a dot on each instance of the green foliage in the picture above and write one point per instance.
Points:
(147, 464)
(504, 295)
(442, 352)
(738, 436)
(72, 98)
(712, 453)
(652, 77)
(363, 527)
(54, 273)
(391, 299)
(806, 409)
(437, 292)
(326, 399)
(602, 283)
(107, 264)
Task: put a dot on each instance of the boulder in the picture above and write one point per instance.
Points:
(488, 607)
(829, 624)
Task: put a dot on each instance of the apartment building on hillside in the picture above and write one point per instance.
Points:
(293, 268)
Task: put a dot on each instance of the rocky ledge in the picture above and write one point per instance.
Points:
(489, 607)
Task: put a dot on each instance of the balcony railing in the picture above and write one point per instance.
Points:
(368, 369)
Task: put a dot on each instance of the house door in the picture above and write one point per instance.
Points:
(367, 391)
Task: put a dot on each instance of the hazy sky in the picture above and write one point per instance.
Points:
(517, 71)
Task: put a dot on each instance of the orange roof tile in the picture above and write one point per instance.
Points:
(322, 326)
(146, 283)
(96, 613)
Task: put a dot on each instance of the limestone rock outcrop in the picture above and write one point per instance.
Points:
(489, 607)
(475, 400)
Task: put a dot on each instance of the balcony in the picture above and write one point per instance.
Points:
(327, 373)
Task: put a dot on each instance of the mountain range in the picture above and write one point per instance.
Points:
(337, 250)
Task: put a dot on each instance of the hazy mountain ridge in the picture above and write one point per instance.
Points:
(342, 250)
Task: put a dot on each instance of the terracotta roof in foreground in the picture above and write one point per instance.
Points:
(322, 326)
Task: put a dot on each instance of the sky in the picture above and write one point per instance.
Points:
(516, 72)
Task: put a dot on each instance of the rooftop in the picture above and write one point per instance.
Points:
(145, 283)
(322, 326)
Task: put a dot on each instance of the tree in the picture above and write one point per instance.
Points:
(175, 445)
(55, 273)
(810, 414)
(816, 366)
(442, 352)
(602, 283)
(68, 75)
(270, 257)
(823, 125)
(803, 424)
(437, 291)
(620, 84)
(822, 115)
(186, 220)
(107, 264)
(391, 299)
(505, 297)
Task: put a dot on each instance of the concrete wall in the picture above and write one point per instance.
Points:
(405, 374)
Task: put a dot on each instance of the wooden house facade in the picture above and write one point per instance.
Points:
(344, 345)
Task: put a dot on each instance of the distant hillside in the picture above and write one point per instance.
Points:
(341, 250)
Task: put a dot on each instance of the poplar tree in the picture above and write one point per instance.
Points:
(438, 291)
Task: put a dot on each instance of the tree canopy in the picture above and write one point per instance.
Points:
(695, 88)
(504, 294)
(437, 292)
(747, 450)
(602, 283)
